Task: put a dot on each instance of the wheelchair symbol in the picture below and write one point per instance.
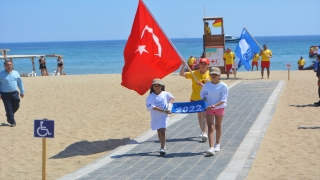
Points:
(43, 128)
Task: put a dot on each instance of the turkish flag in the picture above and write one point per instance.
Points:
(148, 54)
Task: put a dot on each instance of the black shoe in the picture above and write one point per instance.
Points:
(317, 103)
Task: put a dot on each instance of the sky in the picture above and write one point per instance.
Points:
(85, 20)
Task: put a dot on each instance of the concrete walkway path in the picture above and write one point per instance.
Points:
(251, 105)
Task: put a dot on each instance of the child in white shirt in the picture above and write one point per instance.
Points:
(157, 103)
(215, 93)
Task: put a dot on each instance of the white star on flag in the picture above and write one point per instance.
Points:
(142, 48)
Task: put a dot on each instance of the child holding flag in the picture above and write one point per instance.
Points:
(157, 103)
(202, 76)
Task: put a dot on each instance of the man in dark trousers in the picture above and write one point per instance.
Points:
(318, 75)
(9, 80)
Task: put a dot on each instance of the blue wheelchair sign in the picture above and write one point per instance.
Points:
(44, 128)
(189, 107)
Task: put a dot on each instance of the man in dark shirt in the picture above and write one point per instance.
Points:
(318, 75)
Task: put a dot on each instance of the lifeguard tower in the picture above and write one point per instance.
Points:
(214, 44)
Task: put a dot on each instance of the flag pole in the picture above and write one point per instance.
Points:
(174, 47)
(255, 40)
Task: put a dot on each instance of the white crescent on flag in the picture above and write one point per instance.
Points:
(141, 48)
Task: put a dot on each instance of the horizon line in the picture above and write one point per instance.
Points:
(126, 39)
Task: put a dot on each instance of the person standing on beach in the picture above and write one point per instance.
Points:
(301, 62)
(157, 103)
(43, 67)
(59, 65)
(191, 62)
(265, 54)
(9, 80)
(318, 75)
(215, 93)
(229, 57)
(255, 62)
(203, 76)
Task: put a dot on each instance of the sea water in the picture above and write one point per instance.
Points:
(106, 57)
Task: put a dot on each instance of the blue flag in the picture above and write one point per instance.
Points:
(246, 49)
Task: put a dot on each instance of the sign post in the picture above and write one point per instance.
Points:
(44, 158)
(288, 65)
(44, 129)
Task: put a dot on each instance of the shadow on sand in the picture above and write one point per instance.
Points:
(303, 105)
(84, 148)
(4, 124)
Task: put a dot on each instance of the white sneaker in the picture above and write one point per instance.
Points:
(217, 147)
(204, 137)
(200, 135)
(210, 152)
(162, 152)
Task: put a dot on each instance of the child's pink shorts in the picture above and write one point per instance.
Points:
(218, 112)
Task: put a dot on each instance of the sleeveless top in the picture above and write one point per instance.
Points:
(60, 62)
(42, 65)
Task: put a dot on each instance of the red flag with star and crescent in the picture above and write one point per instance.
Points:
(148, 54)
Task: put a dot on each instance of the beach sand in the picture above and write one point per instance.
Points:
(94, 114)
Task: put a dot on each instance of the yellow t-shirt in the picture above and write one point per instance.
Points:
(264, 56)
(229, 57)
(207, 30)
(255, 58)
(195, 95)
(301, 62)
(191, 61)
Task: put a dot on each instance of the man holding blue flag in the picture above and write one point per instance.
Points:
(246, 49)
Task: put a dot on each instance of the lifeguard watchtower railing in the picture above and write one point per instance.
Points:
(214, 44)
